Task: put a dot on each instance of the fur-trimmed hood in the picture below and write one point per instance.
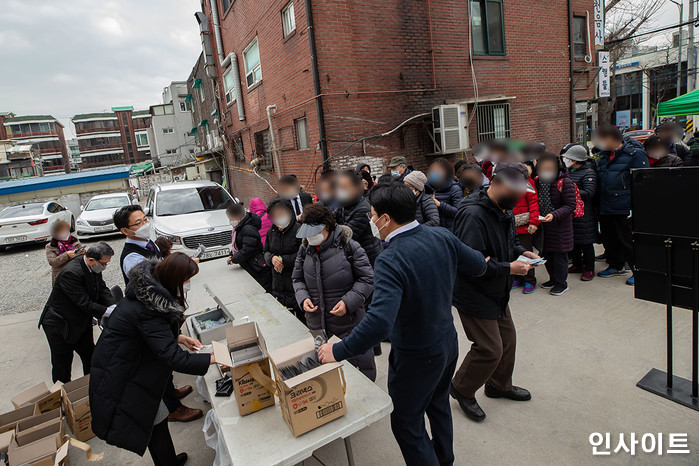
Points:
(144, 287)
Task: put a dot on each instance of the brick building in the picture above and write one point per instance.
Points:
(45, 133)
(112, 138)
(498, 68)
(205, 113)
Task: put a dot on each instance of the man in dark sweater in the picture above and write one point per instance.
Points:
(424, 347)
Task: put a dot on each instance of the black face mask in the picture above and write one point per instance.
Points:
(508, 202)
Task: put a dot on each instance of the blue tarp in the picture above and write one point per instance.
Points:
(67, 179)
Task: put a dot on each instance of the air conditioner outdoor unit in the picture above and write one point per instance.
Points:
(450, 128)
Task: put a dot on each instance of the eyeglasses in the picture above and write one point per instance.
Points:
(103, 264)
(139, 223)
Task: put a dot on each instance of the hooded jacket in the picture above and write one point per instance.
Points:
(585, 227)
(426, 213)
(285, 244)
(355, 217)
(250, 256)
(484, 227)
(57, 259)
(449, 195)
(258, 207)
(529, 203)
(558, 234)
(614, 178)
(133, 360)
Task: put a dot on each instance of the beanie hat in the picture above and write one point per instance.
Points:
(416, 179)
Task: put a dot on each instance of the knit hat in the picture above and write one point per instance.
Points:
(576, 153)
(416, 179)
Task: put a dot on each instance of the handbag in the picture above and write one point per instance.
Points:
(522, 219)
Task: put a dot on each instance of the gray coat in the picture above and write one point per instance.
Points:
(427, 213)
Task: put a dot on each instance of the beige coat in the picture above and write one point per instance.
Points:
(58, 261)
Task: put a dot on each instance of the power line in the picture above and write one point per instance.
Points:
(675, 26)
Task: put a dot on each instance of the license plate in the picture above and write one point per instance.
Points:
(16, 239)
(218, 253)
(101, 229)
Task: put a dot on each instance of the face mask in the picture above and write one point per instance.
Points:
(600, 145)
(480, 158)
(343, 196)
(234, 223)
(656, 155)
(469, 183)
(143, 232)
(547, 177)
(395, 173)
(508, 202)
(289, 196)
(63, 236)
(325, 198)
(434, 178)
(99, 268)
(316, 240)
(416, 193)
(283, 222)
(186, 287)
(376, 231)
(568, 163)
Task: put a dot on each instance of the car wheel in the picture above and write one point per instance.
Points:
(72, 224)
(3, 248)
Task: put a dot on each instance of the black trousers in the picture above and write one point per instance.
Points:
(419, 385)
(62, 352)
(170, 397)
(557, 267)
(583, 256)
(618, 241)
(160, 446)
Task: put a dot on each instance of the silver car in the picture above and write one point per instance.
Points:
(96, 217)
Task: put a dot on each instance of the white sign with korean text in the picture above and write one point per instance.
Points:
(603, 60)
(598, 20)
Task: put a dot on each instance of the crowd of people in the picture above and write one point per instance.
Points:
(353, 260)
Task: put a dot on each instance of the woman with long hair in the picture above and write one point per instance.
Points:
(62, 247)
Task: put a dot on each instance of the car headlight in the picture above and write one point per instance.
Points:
(172, 238)
(81, 222)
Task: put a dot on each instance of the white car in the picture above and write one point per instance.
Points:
(31, 222)
(96, 217)
(190, 213)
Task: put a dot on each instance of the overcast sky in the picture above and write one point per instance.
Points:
(63, 57)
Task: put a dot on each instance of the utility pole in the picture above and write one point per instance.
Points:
(680, 5)
(691, 59)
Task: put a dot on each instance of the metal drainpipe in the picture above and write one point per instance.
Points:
(273, 140)
(571, 50)
(217, 30)
(316, 81)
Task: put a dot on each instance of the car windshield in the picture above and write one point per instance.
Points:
(107, 203)
(190, 200)
(22, 210)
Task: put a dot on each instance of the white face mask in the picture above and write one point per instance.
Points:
(343, 195)
(63, 236)
(316, 240)
(234, 223)
(289, 196)
(480, 158)
(186, 287)
(656, 155)
(143, 232)
(547, 177)
(375, 230)
(283, 222)
(568, 163)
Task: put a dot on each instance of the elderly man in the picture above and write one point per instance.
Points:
(399, 168)
(79, 294)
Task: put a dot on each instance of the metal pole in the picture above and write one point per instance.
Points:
(679, 53)
(690, 50)
(668, 301)
(695, 321)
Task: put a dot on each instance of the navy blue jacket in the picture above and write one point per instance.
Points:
(417, 318)
(449, 195)
(614, 178)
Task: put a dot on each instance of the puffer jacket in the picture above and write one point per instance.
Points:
(426, 212)
(258, 207)
(614, 178)
(529, 203)
(450, 194)
(585, 227)
(250, 256)
(667, 161)
(558, 234)
(57, 260)
(285, 244)
(133, 360)
(355, 217)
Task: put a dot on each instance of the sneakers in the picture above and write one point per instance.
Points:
(574, 269)
(517, 284)
(547, 285)
(611, 272)
(587, 276)
(529, 288)
(558, 290)
(631, 281)
(601, 257)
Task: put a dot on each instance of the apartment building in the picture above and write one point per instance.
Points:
(170, 132)
(43, 132)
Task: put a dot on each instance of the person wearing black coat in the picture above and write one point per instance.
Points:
(135, 356)
(658, 154)
(583, 174)
(79, 294)
(280, 249)
(447, 192)
(246, 245)
(353, 212)
(426, 212)
(290, 189)
(557, 201)
(485, 222)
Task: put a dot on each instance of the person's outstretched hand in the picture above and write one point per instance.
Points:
(325, 353)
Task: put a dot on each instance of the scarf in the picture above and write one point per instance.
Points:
(545, 203)
(234, 248)
(64, 246)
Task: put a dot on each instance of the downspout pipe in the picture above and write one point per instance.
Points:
(571, 52)
(271, 109)
(232, 60)
(316, 81)
(217, 30)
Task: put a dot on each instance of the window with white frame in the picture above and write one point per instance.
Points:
(141, 139)
(168, 130)
(288, 19)
(185, 106)
(301, 133)
(228, 85)
(253, 71)
(202, 96)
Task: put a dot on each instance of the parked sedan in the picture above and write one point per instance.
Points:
(96, 217)
(31, 222)
(640, 134)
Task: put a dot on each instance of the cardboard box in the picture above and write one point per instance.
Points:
(9, 420)
(5, 439)
(252, 382)
(76, 402)
(312, 398)
(46, 398)
(54, 427)
(206, 336)
(46, 451)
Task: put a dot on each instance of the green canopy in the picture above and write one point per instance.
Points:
(140, 169)
(687, 104)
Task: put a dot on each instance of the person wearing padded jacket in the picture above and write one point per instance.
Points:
(332, 279)
(135, 356)
(527, 222)
(426, 212)
(246, 245)
(658, 154)
(556, 205)
(280, 249)
(260, 209)
(447, 192)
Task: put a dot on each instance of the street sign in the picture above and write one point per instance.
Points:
(598, 20)
(603, 60)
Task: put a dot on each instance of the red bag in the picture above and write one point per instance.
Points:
(579, 203)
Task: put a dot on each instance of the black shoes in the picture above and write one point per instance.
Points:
(516, 394)
(377, 350)
(181, 459)
(469, 405)
(547, 285)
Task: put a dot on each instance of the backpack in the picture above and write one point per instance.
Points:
(579, 203)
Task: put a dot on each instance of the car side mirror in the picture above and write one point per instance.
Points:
(82, 207)
(146, 210)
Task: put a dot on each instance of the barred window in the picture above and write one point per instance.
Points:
(493, 121)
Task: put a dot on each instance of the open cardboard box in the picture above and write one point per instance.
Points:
(251, 374)
(42, 425)
(76, 402)
(47, 450)
(47, 399)
(9, 420)
(312, 398)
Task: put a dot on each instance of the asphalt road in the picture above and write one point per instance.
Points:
(25, 281)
